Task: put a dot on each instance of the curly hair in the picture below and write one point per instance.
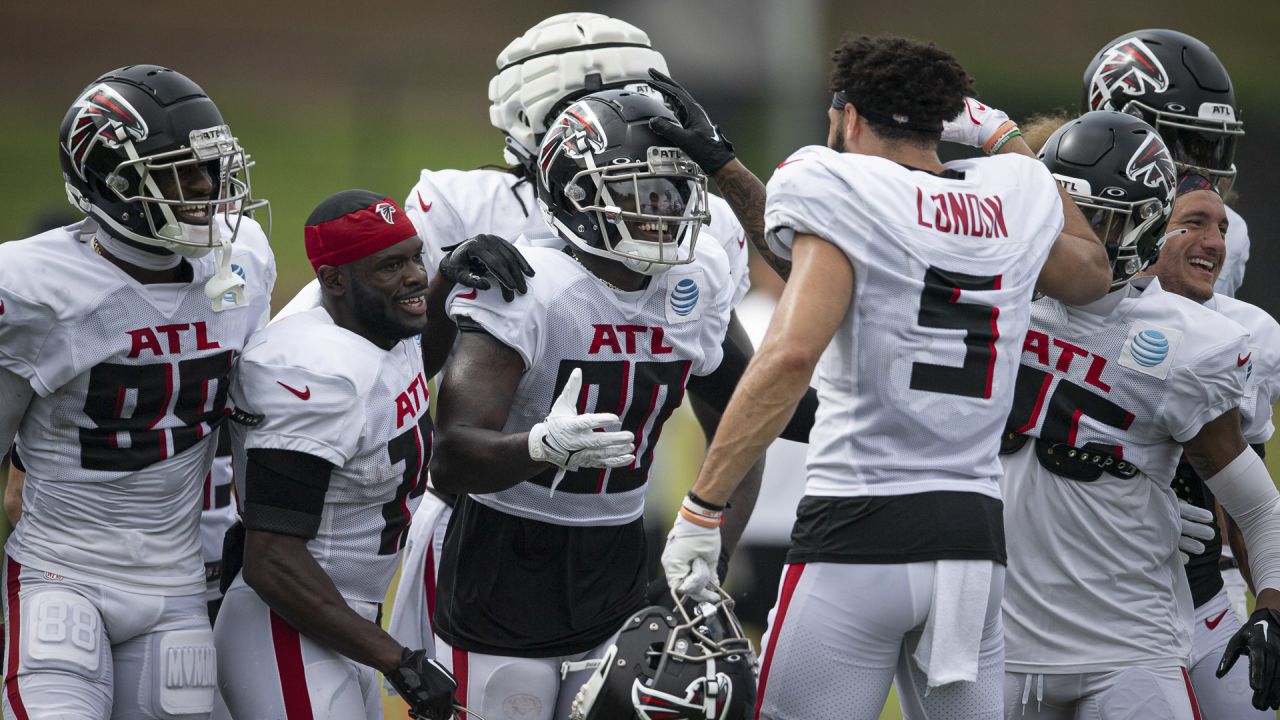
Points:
(894, 78)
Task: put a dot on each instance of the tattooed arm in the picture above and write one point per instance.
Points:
(745, 194)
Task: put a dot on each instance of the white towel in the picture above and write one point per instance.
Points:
(948, 649)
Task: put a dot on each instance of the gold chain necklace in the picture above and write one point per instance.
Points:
(584, 267)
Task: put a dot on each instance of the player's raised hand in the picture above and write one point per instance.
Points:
(980, 126)
(699, 138)
(425, 685)
(485, 254)
(1198, 527)
(570, 440)
(1260, 640)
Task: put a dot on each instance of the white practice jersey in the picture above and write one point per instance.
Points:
(636, 351)
(131, 384)
(1095, 582)
(1262, 368)
(916, 384)
(1232, 275)
(325, 391)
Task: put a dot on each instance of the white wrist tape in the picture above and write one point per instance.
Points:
(1245, 489)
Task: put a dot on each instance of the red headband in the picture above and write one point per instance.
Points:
(357, 234)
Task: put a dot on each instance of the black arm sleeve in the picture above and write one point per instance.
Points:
(16, 461)
(284, 492)
(715, 389)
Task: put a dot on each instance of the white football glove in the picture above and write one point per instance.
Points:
(1198, 527)
(570, 441)
(690, 558)
(979, 126)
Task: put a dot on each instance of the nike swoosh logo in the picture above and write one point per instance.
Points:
(785, 163)
(969, 105)
(304, 393)
(469, 295)
(1, 307)
(426, 206)
(1240, 361)
(1263, 623)
(1211, 624)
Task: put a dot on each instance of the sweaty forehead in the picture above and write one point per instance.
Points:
(407, 248)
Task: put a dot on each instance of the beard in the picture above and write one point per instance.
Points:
(381, 315)
(838, 143)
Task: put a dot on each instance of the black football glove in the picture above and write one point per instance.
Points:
(468, 263)
(425, 685)
(1260, 640)
(700, 138)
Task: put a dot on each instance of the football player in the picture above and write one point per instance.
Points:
(539, 74)
(1178, 86)
(1188, 265)
(544, 558)
(117, 338)
(331, 455)
(912, 279)
(1109, 395)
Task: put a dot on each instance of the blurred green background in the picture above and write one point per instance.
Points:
(330, 95)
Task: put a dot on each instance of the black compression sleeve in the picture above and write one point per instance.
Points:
(284, 492)
(16, 461)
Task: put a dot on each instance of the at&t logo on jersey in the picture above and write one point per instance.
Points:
(684, 291)
(1150, 349)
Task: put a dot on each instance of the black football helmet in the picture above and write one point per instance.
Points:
(690, 662)
(1175, 83)
(1118, 171)
(612, 187)
(136, 130)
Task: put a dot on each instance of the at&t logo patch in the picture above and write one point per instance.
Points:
(1150, 349)
(684, 292)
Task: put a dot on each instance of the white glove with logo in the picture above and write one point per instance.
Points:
(570, 441)
(691, 554)
(1198, 527)
(980, 126)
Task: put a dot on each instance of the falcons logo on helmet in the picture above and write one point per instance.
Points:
(653, 704)
(1152, 165)
(1129, 67)
(576, 133)
(104, 117)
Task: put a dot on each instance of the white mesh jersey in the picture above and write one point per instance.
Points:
(1095, 582)
(325, 391)
(131, 382)
(1232, 275)
(916, 384)
(636, 351)
(1262, 368)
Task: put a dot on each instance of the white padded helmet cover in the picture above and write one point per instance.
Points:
(522, 94)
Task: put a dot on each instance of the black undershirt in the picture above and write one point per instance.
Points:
(898, 529)
(516, 587)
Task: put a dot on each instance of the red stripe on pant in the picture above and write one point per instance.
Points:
(789, 582)
(1191, 695)
(14, 631)
(460, 674)
(293, 674)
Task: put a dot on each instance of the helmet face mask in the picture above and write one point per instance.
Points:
(1120, 174)
(612, 188)
(693, 661)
